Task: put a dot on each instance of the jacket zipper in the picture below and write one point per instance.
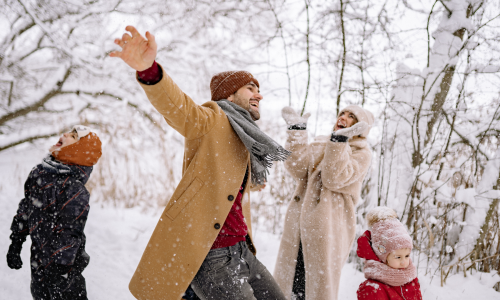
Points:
(402, 292)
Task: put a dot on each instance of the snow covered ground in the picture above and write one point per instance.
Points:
(116, 238)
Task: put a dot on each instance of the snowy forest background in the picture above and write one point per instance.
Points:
(429, 70)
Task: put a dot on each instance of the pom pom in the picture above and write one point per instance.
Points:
(380, 213)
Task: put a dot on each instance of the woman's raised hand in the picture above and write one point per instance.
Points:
(354, 130)
(137, 52)
(292, 117)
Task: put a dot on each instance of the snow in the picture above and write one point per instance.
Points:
(488, 69)
(374, 285)
(490, 174)
(479, 200)
(466, 196)
(116, 238)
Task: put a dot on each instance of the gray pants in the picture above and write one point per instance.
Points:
(234, 273)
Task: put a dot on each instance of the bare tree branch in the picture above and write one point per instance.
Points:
(27, 140)
(38, 104)
(343, 55)
(307, 59)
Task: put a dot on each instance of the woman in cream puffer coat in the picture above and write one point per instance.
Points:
(320, 220)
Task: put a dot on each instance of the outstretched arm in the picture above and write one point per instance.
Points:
(178, 109)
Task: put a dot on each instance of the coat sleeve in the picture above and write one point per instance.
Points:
(70, 224)
(19, 226)
(179, 110)
(342, 169)
(297, 164)
(371, 291)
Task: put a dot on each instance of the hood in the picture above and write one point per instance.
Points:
(365, 247)
(52, 166)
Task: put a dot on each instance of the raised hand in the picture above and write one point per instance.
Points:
(354, 130)
(292, 117)
(137, 52)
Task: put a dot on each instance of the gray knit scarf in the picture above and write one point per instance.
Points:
(263, 149)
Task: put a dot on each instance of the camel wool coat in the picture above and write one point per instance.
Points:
(321, 214)
(215, 161)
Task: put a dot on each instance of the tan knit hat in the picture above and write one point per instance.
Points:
(225, 84)
(362, 115)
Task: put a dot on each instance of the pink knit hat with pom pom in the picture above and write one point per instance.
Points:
(387, 234)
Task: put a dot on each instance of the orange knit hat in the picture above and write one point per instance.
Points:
(85, 152)
(225, 84)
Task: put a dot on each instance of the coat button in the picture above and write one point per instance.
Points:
(230, 197)
(217, 226)
(296, 198)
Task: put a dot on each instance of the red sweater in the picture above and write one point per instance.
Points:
(376, 290)
(235, 228)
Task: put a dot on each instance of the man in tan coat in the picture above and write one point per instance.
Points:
(203, 238)
(320, 221)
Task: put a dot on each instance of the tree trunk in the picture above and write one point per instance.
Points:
(484, 229)
(440, 97)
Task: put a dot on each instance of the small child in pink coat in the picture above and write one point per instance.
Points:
(386, 249)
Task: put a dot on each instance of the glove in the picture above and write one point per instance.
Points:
(14, 260)
(293, 118)
(14, 254)
(354, 130)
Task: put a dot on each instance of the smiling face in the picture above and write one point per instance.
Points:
(66, 139)
(248, 97)
(345, 120)
(399, 259)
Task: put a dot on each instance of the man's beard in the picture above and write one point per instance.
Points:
(255, 114)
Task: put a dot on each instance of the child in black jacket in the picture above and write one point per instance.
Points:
(53, 212)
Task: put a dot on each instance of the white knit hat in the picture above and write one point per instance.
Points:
(81, 130)
(362, 115)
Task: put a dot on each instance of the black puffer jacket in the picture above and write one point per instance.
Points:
(54, 212)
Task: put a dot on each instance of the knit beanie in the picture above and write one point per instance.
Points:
(225, 84)
(362, 115)
(85, 152)
(387, 233)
